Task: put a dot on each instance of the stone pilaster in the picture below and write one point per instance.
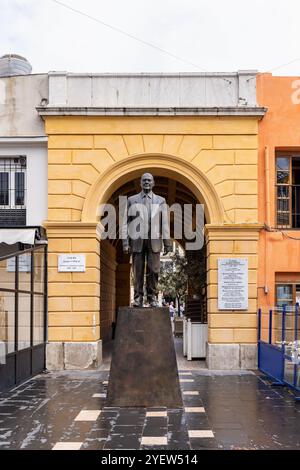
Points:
(229, 329)
(74, 298)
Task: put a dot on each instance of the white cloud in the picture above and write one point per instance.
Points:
(217, 35)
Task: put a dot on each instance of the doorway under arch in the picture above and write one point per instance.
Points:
(114, 264)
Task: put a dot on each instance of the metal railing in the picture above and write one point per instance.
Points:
(13, 190)
(288, 205)
(279, 345)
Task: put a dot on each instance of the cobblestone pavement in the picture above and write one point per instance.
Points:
(233, 410)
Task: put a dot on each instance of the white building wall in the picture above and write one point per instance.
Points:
(22, 132)
(35, 151)
(19, 97)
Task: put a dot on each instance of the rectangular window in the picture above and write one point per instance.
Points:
(287, 289)
(12, 191)
(287, 293)
(24, 320)
(19, 189)
(288, 191)
(284, 295)
(4, 189)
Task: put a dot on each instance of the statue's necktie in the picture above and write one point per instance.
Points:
(147, 203)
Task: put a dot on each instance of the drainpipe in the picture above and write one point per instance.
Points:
(267, 186)
(268, 213)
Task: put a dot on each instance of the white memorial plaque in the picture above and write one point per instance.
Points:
(71, 263)
(24, 264)
(233, 284)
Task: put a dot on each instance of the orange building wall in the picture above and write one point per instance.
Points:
(278, 130)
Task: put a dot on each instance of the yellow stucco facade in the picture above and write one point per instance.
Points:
(90, 157)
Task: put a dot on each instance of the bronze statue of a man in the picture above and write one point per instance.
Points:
(146, 243)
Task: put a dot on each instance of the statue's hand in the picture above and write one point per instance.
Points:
(167, 250)
(127, 250)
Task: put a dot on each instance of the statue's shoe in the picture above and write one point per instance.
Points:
(137, 303)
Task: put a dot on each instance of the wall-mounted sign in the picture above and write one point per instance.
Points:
(71, 263)
(24, 264)
(233, 284)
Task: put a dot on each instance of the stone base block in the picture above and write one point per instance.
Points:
(74, 356)
(231, 356)
(143, 370)
(223, 356)
(55, 356)
(248, 356)
(82, 355)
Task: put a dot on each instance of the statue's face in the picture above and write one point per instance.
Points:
(147, 182)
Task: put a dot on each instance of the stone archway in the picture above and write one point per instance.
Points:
(160, 164)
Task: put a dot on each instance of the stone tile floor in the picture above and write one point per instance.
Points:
(67, 410)
(222, 410)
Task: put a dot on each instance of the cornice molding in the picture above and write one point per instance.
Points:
(254, 111)
(73, 229)
(232, 231)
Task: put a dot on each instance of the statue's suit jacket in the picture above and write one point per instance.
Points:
(159, 212)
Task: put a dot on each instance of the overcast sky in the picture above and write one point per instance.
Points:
(216, 35)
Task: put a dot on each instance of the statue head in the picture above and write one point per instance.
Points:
(147, 182)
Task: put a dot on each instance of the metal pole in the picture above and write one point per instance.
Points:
(270, 325)
(283, 341)
(31, 309)
(46, 294)
(45, 302)
(258, 337)
(283, 326)
(16, 301)
(16, 319)
(296, 339)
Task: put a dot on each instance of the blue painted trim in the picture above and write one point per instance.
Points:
(296, 339)
(271, 358)
(270, 326)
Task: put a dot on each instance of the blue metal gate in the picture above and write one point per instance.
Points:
(279, 346)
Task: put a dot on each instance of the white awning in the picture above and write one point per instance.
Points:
(12, 236)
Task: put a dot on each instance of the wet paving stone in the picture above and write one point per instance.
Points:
(153, 431)
(201, 444)
(177, 443)
(156, 422)
(176, 415)
(127, 430)
(116, 442)
(131, 418)
(94, 443)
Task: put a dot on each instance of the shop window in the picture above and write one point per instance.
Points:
(12, 191)
(288, 294)
(24, 320)
(7, 324)
(284, 294)
(38, 320)
(288, 191)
